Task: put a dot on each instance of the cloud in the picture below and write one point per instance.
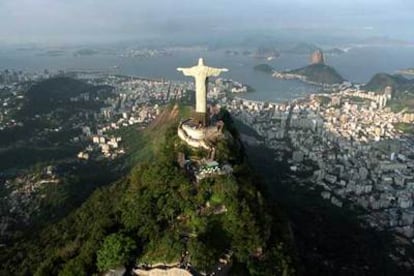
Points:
(66, 20)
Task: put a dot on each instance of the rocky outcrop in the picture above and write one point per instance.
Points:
(317, 57)
(162, 272)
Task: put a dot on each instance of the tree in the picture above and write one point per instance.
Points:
(202, 256)
(74, 267)
(115, 251)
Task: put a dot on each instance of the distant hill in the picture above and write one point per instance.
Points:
(48, 95)
(266, 52)
(308, 48)
(302, 49)
(85, 52)
(55, 89)
(402, 90)
(334, 51)
(381, 80)
(265, 68)
(319, 73)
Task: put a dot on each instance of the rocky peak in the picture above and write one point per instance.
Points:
(317, 57)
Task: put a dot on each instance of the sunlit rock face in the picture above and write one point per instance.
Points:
(317, 57)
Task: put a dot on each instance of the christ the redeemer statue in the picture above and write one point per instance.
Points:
(200, 72)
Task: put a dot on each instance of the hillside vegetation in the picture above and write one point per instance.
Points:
(403, 90)
(265, 68)
(319, 73)
(155, 213)
(381, 80)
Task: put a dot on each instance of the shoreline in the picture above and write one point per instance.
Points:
(408, 72)
(290, 76)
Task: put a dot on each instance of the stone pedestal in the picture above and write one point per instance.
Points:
(199, 117)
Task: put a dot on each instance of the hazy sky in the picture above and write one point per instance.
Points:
(61, 21)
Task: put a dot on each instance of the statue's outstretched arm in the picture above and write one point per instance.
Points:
(215, 72)
(187, 71)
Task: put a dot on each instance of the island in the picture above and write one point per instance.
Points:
(85, 52)
(52, 53)
(265, 68)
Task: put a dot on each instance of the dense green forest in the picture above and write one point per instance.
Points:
(156, 212)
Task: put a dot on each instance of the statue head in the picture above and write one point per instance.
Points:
(200, 61)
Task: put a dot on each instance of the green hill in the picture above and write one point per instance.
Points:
(403, 90)
(51, 100)
(265, 68)
(51, 94)
(157, 212)
(319, 73)
(381, 80)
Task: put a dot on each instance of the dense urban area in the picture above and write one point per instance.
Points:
(345, 141)
(348, 143)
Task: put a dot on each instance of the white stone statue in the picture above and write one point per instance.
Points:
(200, 72)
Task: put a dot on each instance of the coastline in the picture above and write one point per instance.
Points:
(409, 72)
(289, 76)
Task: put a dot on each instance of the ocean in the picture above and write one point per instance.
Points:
(358, 65)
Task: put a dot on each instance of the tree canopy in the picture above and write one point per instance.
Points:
(115, 251)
